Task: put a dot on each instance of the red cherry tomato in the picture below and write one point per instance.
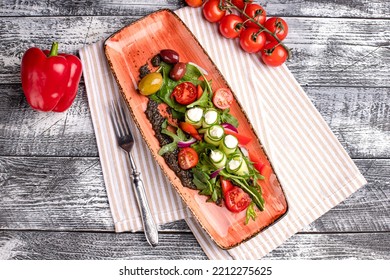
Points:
(236, 200)
(188, 158)
(185, 93)
(277, 26)
(190, 129)
(226, 185)
(241, 3)
(251, 40)
(212, 11)
(230, 26)
(194, 3)
(256, 12)
(274, 54)
(223, 98)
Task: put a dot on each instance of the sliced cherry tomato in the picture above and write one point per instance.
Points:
(190, 129)
(230, 26)
(236, 200)
(241, 3)
(188, 158)
(199, 91)
(277, 26)
(252, 40)
(212, 11)
(223, 98)
(194, 3)
(185, 93)
(226, 185)
(274, 54)
(256, 162)
(242, 139)
(256, 12)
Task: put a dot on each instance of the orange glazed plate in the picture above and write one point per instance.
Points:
(133, 46)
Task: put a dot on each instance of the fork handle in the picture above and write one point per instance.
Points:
(148, 223)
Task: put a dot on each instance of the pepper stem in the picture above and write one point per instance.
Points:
(54, 49)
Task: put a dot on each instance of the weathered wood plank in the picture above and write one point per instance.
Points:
(331, 52)
(24, 131)
(69, 194)
(358, 116)
(364, 246)
(65, 245)
(314, 8)
(78, 245)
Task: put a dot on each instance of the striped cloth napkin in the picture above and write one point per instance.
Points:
(315, 171)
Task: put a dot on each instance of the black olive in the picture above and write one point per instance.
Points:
(156, 60)
(143, 71)
(178, 71)
(169, 56)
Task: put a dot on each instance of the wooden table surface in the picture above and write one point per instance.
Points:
(53, 203)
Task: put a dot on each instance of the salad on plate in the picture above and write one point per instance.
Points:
(199, 137)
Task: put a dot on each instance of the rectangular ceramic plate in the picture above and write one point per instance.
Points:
(133, 46)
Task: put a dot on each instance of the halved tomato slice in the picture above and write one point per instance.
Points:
(185, 93)
(223, 98)
(188, 158)
(236, 200)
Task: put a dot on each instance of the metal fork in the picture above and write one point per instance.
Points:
(126, 142)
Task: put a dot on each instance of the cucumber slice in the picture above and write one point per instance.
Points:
(229, 144)
(194, 116)
(211, 117)
(218, 158)
(214, 134)
(237, 165)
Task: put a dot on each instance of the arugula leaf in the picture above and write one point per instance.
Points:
(164, 94)
(167, 148)
(199, 185)
(192, 74)
(205, 164)
(177, 115)
(179, 136)
(156, 98)
(250, 213)
(201, 175)
(166, 89)
(253, 172)
(226, 117)
(254, 192)
(202, 147)
(204, 101)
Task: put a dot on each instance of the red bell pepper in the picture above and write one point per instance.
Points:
(50, 80)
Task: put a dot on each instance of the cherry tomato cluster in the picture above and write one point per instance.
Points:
(248, 22)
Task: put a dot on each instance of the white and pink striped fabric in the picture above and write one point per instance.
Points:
(315, 171)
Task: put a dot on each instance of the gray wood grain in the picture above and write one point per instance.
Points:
(65, 245)
(49, 193)
(313, 8)
(358, 116)
(327, 52)
(53, 200)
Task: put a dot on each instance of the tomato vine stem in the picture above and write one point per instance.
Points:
(229, 5)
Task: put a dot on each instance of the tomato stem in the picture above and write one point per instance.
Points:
(262, 27)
